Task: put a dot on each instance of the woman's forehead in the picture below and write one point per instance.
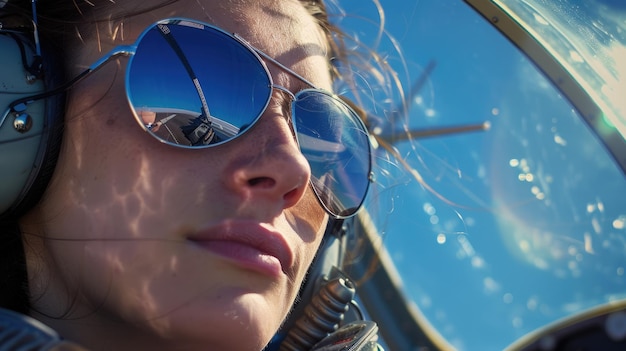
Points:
(280, 22)
(283, 29)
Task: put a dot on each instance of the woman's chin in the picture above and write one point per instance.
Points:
(248, 321)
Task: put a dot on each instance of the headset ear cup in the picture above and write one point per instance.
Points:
(49, 145)
(52, 137)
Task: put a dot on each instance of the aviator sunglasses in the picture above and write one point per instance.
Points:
(192, 85)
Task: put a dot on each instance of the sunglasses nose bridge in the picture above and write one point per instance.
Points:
(288, 111)
(281, 88)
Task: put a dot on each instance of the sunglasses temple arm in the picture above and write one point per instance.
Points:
(20, 104)
(273, 61)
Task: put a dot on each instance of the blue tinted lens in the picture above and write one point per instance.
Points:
(334, 140)
(195, 86)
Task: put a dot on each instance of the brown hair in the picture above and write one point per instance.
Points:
(59, 26)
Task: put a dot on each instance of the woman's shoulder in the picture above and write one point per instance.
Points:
(21, 332)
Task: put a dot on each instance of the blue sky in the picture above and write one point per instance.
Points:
(518, 226)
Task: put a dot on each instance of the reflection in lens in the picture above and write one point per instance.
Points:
(195, 86)
(334, 141)
(192, 85)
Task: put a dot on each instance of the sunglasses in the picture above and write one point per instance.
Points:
(194, 86)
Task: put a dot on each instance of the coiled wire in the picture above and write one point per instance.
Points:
(321, 316)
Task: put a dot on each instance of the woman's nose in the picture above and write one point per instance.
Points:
(269, 169)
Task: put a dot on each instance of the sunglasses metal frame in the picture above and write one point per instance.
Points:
(20, 105)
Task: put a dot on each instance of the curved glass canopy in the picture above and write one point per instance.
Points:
(509, 214)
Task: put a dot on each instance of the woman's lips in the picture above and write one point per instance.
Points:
(249, 244)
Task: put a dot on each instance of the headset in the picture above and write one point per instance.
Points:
(30, 139)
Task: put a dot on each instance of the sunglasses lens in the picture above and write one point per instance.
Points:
(335, 142)
(195, 86)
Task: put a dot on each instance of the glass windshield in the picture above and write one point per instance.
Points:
(496, 232)
(589, 39)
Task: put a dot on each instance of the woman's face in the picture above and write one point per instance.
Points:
(202, 248)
